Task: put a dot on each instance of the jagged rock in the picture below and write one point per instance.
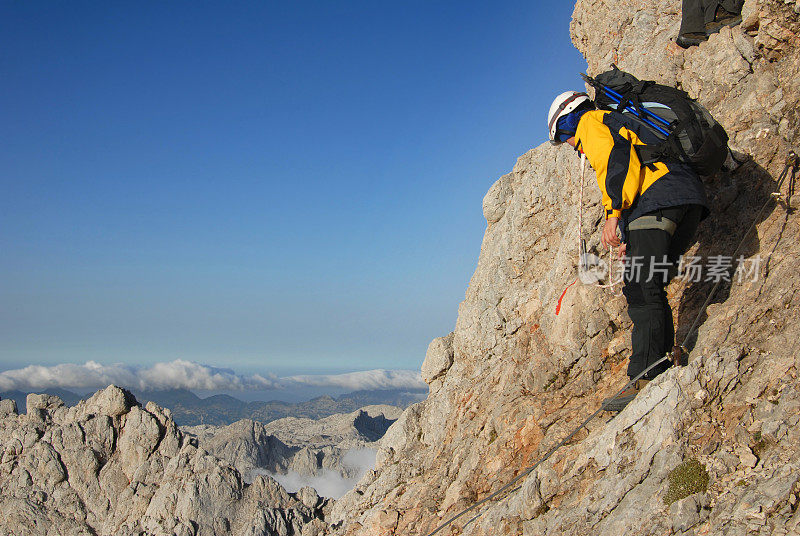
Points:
(43, 402)
(494, 203)
(109, 467)
(112, 401)
(345, 430)
(308, 496)
(685, 513)
(139, 438)
(306, 446)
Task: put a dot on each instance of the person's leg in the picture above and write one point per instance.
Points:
(733, 6)
(692, 18)
(709, 8)
(688, 219)
(648, 307)
(714, 9)
(693, 29)
(717, 14)
(654, 329)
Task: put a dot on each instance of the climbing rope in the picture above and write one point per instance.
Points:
(582, 253)
(793, 164)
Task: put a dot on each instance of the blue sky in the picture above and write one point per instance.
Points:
(283, 188)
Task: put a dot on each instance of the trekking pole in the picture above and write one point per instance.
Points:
(613, 95)
(638, 112)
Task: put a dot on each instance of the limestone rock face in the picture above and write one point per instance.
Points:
(521, 377)
(108, 466)
(306, 446)
(246, 445)
(346, 430)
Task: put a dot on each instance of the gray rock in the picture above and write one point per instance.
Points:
(8, 407)
(494, 204)
(42, 402)
(303, 446)
(308, 496)
(112, 401)
(438, 358)
(684, 513)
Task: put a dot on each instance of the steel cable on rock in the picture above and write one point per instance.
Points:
(792, 163)
(549, 452)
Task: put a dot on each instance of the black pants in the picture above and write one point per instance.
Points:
(696, 13)
(653, 329)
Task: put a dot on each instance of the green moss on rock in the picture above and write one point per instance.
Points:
(688, 478)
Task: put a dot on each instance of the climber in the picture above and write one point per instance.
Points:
(701, 18)
(656, 208)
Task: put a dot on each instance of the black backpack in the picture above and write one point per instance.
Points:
(687, 130)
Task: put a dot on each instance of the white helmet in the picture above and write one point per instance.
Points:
(562, 105)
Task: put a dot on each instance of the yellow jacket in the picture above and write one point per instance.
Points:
(629, 189)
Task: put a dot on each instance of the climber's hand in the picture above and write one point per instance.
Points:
(609, 237)
(622, 249)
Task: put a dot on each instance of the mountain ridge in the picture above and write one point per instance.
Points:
(190, 409)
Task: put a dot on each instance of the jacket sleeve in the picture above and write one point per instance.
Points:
(614, 160)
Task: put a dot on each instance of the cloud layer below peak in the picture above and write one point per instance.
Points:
(182, 374)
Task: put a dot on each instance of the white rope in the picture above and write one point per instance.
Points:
(580, 210)
(581, 254)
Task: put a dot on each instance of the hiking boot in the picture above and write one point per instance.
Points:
(691, 39)
(625, 398)
(722, 18)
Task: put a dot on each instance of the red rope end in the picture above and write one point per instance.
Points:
(558, 307)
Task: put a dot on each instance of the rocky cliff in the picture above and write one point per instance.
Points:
(708, 448)
(108, 466)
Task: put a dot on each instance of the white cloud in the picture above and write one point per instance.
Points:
(328, 483)
(363, 379)
(178, 374)
(182, 374)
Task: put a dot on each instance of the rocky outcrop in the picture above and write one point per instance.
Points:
(109, 466)
(438, 360)
(245, 445)
(515, 378)
(307, 447)
(345, 430)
